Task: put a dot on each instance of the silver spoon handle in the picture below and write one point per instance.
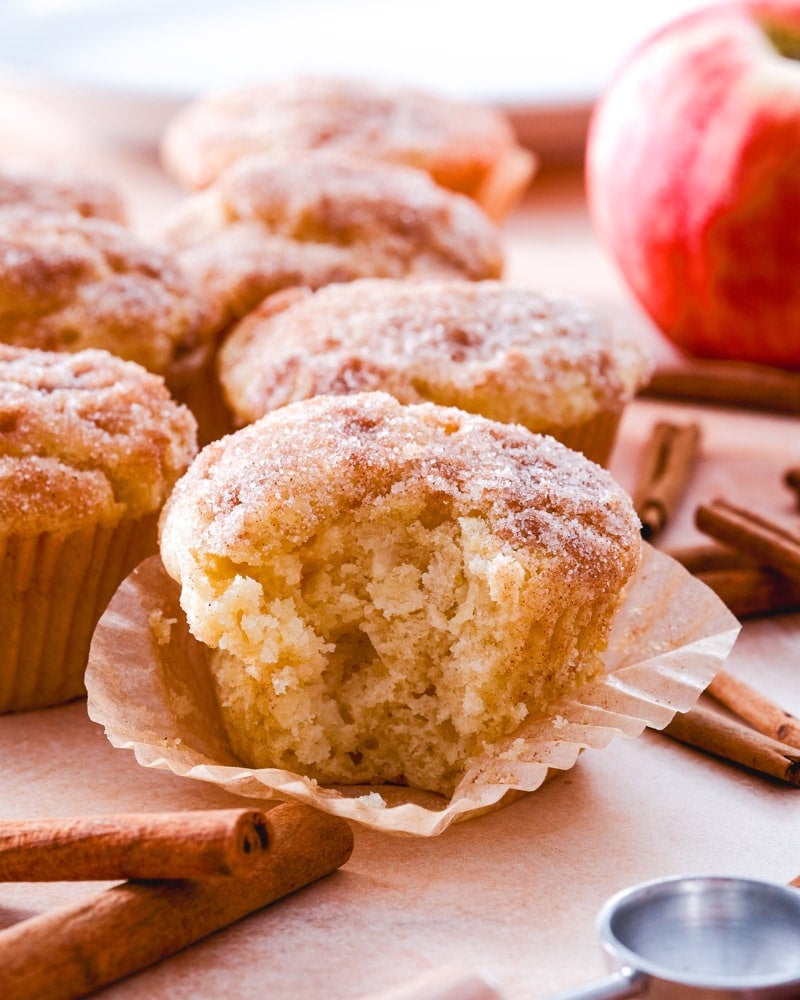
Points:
(617, 986)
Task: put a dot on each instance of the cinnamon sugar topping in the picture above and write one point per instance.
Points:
(511, 353)
(268, 224)
(59, 190)
(68, 283)
(274, 483)
(83, 437)
(458, 143)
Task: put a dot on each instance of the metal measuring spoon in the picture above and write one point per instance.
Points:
(699, 938)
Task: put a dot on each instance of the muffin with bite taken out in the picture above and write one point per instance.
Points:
(384, 589)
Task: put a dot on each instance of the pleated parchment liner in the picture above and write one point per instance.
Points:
(150, 687)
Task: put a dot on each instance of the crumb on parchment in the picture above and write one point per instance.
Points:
(160, 626)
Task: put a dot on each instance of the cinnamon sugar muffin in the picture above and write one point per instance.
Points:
(267, 224)
(466, 147)
(69, 283)
(386, 588)
(56, 189)
(547, 361)
(90, 445)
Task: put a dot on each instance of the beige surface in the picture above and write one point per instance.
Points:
(515, 892)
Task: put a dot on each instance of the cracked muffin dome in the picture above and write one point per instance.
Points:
(467, 147)
(386, 588)
(545, 360)
(90, 446)
(69, 283)
(56, 189)
(268, 224)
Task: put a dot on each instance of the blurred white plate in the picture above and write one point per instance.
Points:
(126, 65)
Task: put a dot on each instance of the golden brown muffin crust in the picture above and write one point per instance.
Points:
(457, 142)
(268, 224)
(68, 283)
(511, 353)
(85, 437)
(272, 484)
(60, 190)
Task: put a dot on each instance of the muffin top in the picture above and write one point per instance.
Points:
(545, 360)
(268, 488)
(311, 220)
(456, 142)
(85, 437)
(57, 189)
(269, 224)
(68, 283)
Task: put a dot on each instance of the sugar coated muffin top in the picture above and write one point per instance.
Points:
(56, 189)
(457, 142)
(269, 487)
(85, 437)
(311, 220)
(511, 353)
(68, 283)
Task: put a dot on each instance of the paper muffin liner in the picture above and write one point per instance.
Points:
(595, 438)
(150, 686)
(505, 184)
(53, 590)
(204, 398)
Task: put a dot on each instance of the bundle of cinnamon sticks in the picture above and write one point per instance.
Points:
(188, 875)
(756, 734)
(753, 565)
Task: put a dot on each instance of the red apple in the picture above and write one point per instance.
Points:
(693, 180)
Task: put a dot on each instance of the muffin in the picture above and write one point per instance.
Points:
(467, 147)
(268, 224)
(384, 589)
(90, 446)
(545, 360)
(69, 283)
(56, 189)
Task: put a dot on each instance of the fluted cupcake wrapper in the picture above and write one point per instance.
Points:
(595, 438)
(203, 395)
(150, 687)
(53, 590)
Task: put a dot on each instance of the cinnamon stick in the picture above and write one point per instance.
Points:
(133, 845)
(723, 383)
(751, 592)
(752, 706)
(709, 558)
(755, 536)
(666, 466)
(72, 951)
(792, 479)
(731, 740)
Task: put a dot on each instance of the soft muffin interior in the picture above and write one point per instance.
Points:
(394, 644)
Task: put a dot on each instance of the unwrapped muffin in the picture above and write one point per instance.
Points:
(548, 361)
(59, 189)
(268, 224)
(69, 283)
(466, 147)
(90, 445)
(386, 588)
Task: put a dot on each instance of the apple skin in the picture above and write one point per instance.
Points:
(693, 180)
